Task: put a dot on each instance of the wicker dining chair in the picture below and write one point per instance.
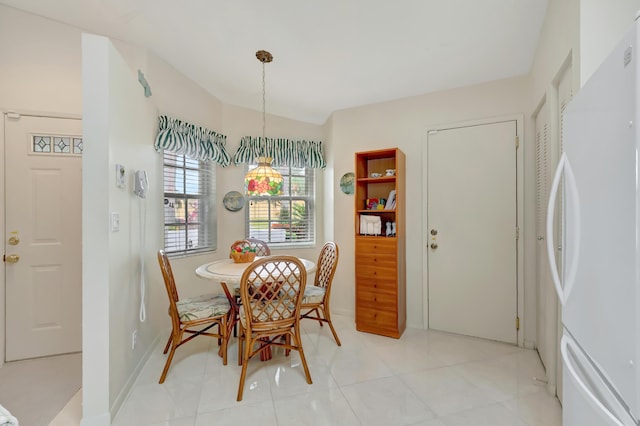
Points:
(261, 248)
(271, 290)
(317, 296)
(208, 310)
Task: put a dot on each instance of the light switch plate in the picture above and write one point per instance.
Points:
(115, 221)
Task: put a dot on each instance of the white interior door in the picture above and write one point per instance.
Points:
(542, 263)
(43, 251)
(565, 94)
(472, 220)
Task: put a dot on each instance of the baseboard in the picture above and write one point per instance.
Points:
(124, 392)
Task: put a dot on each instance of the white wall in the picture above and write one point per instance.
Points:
(95, 239)
(559, 40)
(34, 53)
(404, 124)
(118, 125)
(602, 25)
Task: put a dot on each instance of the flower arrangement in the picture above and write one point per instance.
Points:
(241, 254)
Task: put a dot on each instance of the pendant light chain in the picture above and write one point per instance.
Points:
(263, 180)
(264, 57)
(264, 106)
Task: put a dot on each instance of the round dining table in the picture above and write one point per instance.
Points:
(228, 274)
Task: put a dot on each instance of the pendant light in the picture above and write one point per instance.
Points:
(263, 180)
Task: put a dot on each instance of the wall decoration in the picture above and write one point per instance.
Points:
(233, 201)
(346, 183)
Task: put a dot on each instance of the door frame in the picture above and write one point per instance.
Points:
(519, 120)
(4, 112)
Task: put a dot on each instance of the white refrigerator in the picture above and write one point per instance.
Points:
(599, 287)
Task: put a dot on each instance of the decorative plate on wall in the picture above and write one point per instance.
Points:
(346, 182)
(233, 201)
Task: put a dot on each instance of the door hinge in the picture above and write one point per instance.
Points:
(517, 323)
(517, 142)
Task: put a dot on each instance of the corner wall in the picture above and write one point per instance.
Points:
(118, 124)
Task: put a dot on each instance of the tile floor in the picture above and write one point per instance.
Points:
(35, 390)
(426, 378)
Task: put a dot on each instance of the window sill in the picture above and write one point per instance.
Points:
(282, 246)
(179, 255)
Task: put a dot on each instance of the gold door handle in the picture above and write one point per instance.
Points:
(434, 246)
(14, 240)
(11, 258)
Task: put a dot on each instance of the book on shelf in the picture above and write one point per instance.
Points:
(391, 201)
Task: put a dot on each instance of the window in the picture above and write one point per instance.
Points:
(288, 219)
(189, 204)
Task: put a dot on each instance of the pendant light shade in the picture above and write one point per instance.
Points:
(263, 180)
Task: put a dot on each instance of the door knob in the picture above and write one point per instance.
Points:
(434, 232)
(14, 240)
(12, 258)
(434, 246)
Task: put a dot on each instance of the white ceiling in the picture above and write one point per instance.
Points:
(328, 54)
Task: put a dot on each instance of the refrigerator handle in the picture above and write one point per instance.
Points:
(564, 344)
(572, 264)
(551, 207)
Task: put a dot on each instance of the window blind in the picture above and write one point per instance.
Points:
(288, 219)
(189, 204)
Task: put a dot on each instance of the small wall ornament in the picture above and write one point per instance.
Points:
(347, 182)
(233, 201)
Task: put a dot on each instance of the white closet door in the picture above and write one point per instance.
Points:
(472, 217)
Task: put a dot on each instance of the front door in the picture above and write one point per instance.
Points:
(472, 226)
(43, 228)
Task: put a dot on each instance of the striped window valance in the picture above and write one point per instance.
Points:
(284, 152)
(197, 142)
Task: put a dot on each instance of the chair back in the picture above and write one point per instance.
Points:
(326, 267)
(261, 247)
(170, 285)
(273, 288)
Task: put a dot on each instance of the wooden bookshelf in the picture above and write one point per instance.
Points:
(380, 258)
